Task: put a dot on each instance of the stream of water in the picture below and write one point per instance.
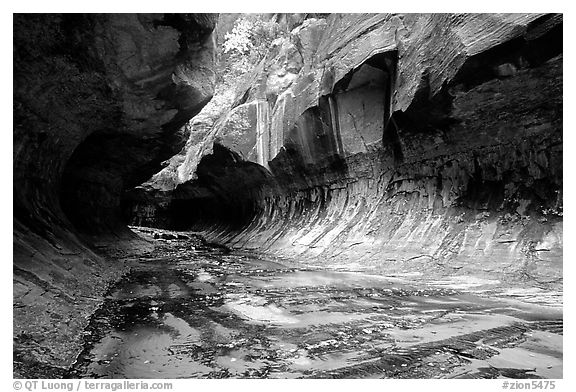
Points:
(187, 312)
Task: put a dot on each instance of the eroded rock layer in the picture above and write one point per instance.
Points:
(99, 102)
(402, 142)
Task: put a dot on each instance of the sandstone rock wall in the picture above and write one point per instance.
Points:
(424, 142)
(99, 101)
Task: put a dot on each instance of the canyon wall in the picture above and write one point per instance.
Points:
(407, 143)
(99, 103)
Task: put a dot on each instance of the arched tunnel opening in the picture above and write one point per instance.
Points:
(100, 170)
(96, 175)
(227, 191)
(230, 192)
(90, 187)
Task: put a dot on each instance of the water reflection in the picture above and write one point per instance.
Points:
(187, 313)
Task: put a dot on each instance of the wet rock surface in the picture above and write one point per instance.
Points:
(396, 182)
(391, 140)
(188, 310)
(99, 100)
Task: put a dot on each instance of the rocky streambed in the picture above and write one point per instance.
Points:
(189, 310)
(407, 168)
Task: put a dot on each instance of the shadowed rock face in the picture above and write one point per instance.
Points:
(404, 142)
(99, 101)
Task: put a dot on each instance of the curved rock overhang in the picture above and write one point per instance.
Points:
(434, 138)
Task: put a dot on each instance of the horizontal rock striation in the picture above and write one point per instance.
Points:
(99, 103)
(399, 142)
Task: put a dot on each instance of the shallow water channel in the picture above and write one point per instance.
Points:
(200, 312)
